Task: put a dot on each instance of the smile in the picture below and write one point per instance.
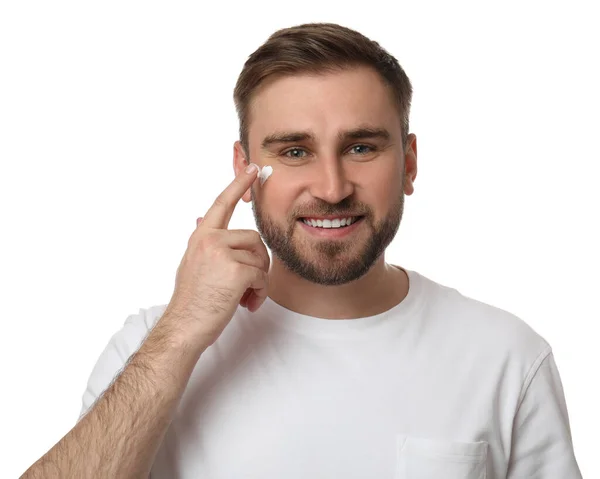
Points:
(330, 223)
(331, 228)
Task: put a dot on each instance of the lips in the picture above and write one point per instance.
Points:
(331, 222)
(328, 230)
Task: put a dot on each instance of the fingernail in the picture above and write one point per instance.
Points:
(251, 168)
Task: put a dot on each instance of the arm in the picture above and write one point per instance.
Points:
(121, 433)
(542, 446)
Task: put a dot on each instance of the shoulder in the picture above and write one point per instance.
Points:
(135, 329)
(481, 327)
(121, 346)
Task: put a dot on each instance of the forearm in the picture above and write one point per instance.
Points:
(121, 433)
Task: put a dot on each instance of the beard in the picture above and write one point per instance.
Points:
(327, 262)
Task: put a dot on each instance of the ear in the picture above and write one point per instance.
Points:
(410, 164)
(239, 164)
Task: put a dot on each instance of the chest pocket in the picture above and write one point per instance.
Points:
(421, 458)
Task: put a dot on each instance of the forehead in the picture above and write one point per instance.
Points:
(324, 103)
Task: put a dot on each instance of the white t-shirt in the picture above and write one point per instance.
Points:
(439, 386)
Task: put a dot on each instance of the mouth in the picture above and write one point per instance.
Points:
(330, 222)
(331, 227)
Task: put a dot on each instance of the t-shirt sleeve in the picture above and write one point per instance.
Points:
(117, 352)
(542, 446)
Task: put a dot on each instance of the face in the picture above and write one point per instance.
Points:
(334, 142)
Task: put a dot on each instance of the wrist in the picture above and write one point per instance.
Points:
(182, 333)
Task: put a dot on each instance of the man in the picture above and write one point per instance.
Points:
(325, 361)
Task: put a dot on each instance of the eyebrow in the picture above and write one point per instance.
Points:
(360, 133)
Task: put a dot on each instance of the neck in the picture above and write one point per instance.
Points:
(382, 288)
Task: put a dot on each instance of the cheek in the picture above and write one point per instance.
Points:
(388, 186)
(284, 183)
(388, 174)
(278, 192)
(380, 187)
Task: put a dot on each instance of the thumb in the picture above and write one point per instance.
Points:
(198, 221)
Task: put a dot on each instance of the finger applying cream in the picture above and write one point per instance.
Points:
(264, 174)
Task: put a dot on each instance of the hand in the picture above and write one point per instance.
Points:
(221, 268)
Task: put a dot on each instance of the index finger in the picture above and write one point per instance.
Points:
(219, 214)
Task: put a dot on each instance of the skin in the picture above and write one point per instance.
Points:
(329, 175)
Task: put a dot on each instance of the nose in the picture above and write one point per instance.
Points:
(331, 182)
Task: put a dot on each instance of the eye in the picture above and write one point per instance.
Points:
(294, 153)
(362, 149)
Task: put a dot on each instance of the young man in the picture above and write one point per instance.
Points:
(326, 362)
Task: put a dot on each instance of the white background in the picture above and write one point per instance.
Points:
(116, 131)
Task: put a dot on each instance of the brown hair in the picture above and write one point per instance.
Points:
(318, 48)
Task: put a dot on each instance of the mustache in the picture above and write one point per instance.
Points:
(346, 207)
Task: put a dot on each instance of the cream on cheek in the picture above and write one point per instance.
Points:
(264, 173)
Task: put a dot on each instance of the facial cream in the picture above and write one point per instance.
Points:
(265, 173)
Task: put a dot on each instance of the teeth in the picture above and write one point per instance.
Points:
(336, 223)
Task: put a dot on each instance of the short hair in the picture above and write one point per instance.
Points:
(318, 48)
